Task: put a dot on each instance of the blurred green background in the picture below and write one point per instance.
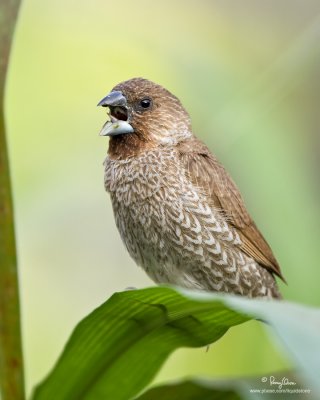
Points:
(247, 71)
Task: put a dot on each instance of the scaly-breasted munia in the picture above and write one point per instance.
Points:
(178, 212)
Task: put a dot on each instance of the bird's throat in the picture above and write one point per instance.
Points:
(127, 145)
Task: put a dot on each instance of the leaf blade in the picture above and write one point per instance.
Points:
(116, 351)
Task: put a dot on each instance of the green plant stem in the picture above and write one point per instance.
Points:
(11, 360)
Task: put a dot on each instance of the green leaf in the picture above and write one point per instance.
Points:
(253, 388)
(191, 390)
(116, 351)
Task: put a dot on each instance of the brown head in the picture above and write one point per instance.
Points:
(143, 115)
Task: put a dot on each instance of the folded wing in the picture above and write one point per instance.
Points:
(212, 179)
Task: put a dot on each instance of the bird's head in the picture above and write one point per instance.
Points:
(143, 113)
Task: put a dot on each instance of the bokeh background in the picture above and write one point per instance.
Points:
(248, 72)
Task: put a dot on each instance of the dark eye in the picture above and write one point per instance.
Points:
(145, 103)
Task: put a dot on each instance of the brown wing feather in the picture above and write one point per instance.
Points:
(210, 176)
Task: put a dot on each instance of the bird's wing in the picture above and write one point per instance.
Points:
(211, 178)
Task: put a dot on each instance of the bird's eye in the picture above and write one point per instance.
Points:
(145, 103)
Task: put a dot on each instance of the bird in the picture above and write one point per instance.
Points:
(178, 211)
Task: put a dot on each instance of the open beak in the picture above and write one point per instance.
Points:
(117, 104)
